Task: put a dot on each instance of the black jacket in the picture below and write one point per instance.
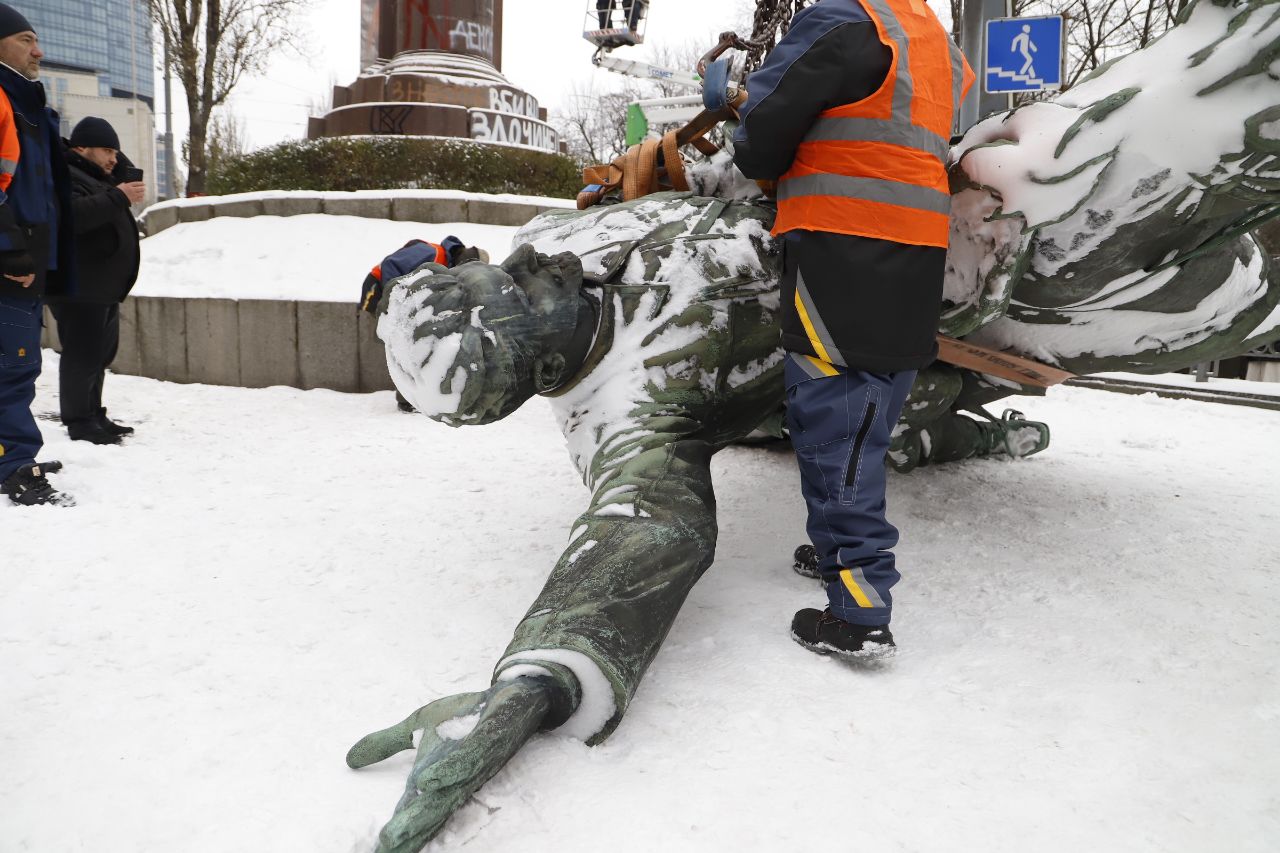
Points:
(878, 301)
(106, 235)
(35, 212)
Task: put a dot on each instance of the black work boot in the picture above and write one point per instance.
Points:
(819, 631)
(806, 562)
(93, 432)
(111, 426)
(28, 487)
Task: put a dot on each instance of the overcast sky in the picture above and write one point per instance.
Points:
(544, 53)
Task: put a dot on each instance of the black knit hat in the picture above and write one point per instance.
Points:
(12, 22)
(94, 133)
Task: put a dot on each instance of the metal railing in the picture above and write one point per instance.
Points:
(1267, 352)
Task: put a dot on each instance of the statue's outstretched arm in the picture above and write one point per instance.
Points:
(632, 559)
(466, 739)
(582, 649)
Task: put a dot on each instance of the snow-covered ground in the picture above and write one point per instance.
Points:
(313, 257)
(1089, 638)
(365, 194)
(1188, 381)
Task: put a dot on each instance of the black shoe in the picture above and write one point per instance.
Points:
(819, 631)
(93, 433)
(806, 562)
(28, 487)
(112, 427)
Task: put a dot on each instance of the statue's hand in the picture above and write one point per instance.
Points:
(466, 739)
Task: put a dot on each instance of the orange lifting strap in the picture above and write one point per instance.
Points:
(655, 164)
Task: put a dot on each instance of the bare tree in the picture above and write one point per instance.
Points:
(1097, 30)
(322, 104)
(228, 139)
(1101, 30)
(593, 121)
(214, 45)
(594, 124)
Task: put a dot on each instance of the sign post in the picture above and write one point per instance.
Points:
(1023, 54)
(980, 103)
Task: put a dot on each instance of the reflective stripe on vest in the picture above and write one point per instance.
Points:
(877, 168)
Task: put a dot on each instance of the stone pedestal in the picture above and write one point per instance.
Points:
(442, 79)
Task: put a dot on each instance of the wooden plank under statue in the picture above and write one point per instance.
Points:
(1005, 365)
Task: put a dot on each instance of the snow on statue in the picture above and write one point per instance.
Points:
(1094, 232)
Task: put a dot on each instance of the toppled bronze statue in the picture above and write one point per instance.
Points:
(651, 325)
(665, 352)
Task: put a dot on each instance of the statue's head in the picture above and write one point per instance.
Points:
(471, 344)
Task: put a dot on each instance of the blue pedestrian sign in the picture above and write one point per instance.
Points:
(1024, 54)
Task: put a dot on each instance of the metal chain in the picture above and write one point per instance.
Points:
(772, 20)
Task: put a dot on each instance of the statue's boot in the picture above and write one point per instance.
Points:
(1014, 435)
(954, 437)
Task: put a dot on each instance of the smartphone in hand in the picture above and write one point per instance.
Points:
(131, 175)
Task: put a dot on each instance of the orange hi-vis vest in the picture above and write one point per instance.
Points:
(878, 167)
(10, 147)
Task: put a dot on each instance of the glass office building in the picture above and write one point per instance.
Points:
(112, 37)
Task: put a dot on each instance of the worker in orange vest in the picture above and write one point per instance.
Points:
(852, 114)
(36, 254)
(450, 252)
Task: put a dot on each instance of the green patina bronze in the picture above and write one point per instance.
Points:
(681, 358)
(706, 373)
(652, 327)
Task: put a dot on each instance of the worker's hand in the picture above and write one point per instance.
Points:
(135, 191)
(18, 266)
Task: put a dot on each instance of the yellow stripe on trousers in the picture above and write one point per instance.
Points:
(827, 369)
(809, 330)
(856, 591)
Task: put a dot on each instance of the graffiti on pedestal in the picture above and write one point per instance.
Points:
(471, 37)
(455, 26)
(514, 102)
(499, 99)
(388, 120)
(510, 129)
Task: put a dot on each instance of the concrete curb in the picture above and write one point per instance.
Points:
(404, 208)
(252, 343)
(256, 343)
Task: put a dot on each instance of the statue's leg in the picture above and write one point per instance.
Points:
(933, 431)
(933, 395)
(632, 558)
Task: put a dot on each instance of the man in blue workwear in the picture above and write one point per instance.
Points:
(857, 137)
(35, 253)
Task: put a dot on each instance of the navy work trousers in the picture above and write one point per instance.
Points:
(20, 323)
(841, 421)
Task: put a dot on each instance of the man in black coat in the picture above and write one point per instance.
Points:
(106, 243)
